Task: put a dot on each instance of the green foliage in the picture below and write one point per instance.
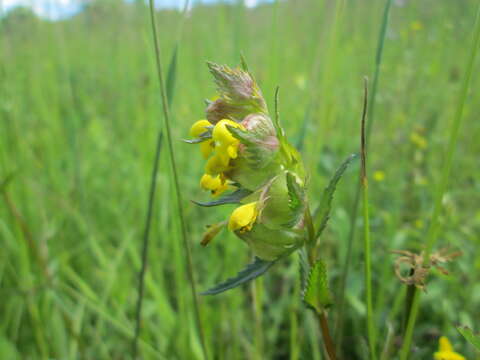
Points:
(296, 196)
(253, 270)
(470, 336)
(256, 154)
(233, 198)
(317, 293)
(322, 213)
(79, 111)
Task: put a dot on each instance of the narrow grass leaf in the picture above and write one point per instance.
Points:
(470, 336)
(172, 75)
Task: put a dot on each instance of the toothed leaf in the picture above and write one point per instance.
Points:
(317, 294)
(252, 271)
(233, 198)
(322, 213)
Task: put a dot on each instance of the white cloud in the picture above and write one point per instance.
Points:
(60, 9)
(49, 9)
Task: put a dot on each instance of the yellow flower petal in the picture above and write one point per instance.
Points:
(221, 134)
(243, 217)
(446, 351)
(418, 140)
(379, 175)
(215, 184)
(199, 128)
(216, 165)
(206, 147)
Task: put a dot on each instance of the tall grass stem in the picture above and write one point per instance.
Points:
(356, 203)
(178, 194)
(366, 238)
(146, 235)
(434, 226)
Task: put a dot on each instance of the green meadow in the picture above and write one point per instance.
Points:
(80, 110)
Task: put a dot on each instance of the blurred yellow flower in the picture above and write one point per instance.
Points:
(243, 217)
(416, 26)
(379, 175)
(419, 224)
(445, 351)
(300, 81)
(418, 140)
(215, 184)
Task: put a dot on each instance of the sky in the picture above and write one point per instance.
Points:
(61, 9)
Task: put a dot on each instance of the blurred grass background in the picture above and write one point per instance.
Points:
(79, 110)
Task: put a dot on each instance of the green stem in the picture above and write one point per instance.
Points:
(366, 238)
(146, 237)
(312, 259)
(442, 186)
(257, 291)
(178, 194)
(354, 211)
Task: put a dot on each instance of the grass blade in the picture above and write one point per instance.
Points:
(146, 233)
(171, 79)
(185, 240)
(353, 214)
(366, 240)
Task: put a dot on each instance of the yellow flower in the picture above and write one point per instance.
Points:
(216, 185)
(199, 128)
(206, 148)
(416, 25)
(419, 224)
(379, 175)
(418, 140)
(445, 351)
(216, 165)
(243, 217)
(225, 143)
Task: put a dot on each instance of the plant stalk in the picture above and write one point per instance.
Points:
(366, 238)
(312, 258)
(146, 236)
(178, 194)
(354, 211)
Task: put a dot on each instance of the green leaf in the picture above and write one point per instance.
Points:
(470, 336)
(296, 196)
(322, 213)
(243, 63)
(172, 75)
(317, 294)
(233, 198)
(6, 181)
(252, 271)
